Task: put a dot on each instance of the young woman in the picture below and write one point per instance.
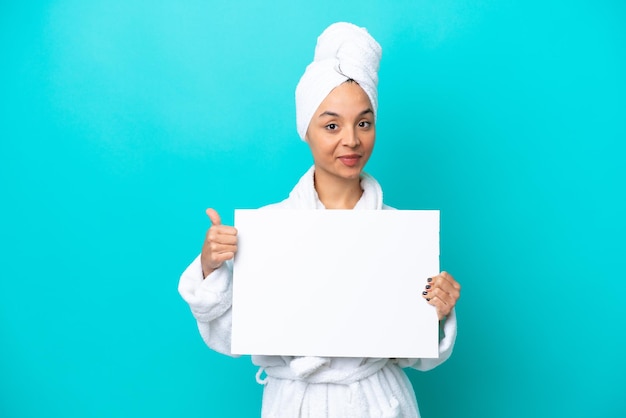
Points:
(336, 104)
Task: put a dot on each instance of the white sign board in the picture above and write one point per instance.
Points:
(335, 283)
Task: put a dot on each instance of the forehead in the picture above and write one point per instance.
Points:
(348, 96)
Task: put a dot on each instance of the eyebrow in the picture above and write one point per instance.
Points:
(336, 115)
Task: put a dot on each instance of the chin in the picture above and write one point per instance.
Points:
(342, 172)
(351, 174)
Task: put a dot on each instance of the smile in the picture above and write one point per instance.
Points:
(350, 160)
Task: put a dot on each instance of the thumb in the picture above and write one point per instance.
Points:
(214, 216)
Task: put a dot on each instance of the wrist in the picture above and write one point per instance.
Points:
(206, 271)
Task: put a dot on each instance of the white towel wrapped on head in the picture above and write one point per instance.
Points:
(344, 51)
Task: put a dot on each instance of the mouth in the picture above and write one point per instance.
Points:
(350, 160)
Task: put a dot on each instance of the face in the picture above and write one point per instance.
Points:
(341, 134)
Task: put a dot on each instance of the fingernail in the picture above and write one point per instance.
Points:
(427, 286)
(427, 299)
(424, 293)
(430, 279)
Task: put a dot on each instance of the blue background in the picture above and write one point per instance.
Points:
(121, 121)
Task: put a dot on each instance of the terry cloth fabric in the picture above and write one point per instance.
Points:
(344, 51)
(304, 195)
(319, 387)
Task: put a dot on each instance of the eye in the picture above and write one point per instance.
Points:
(365, 124)
(332, 126)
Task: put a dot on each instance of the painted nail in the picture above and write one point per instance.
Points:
(430, 279)
(427, 299)
(424, 293)
(427, 286)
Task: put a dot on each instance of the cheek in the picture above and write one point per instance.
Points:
(368, 144)
(323, 145)
(318, 150)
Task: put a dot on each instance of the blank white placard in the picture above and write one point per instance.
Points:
(335, 283)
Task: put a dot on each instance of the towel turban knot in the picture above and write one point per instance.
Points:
(343, 52)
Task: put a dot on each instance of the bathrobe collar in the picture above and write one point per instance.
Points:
(304, 195)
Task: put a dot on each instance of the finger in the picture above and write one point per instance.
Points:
(216, 256)
(222, 238)
(446, 282)
(444, 297)
(217, 248)
(214, 216)
(227, 230)
(221, 257)
(222, 235)
(448, 278)
(445, 287)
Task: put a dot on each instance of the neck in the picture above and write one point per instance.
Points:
(337, 193)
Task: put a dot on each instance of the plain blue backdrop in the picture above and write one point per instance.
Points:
(121, 121)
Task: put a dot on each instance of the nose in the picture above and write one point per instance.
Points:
(351, 138)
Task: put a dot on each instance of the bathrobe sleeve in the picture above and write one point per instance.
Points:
(210, 301)
(446, 344)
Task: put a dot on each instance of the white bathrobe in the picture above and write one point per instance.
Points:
(312, 386)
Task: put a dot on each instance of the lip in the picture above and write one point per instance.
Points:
(350, 160)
